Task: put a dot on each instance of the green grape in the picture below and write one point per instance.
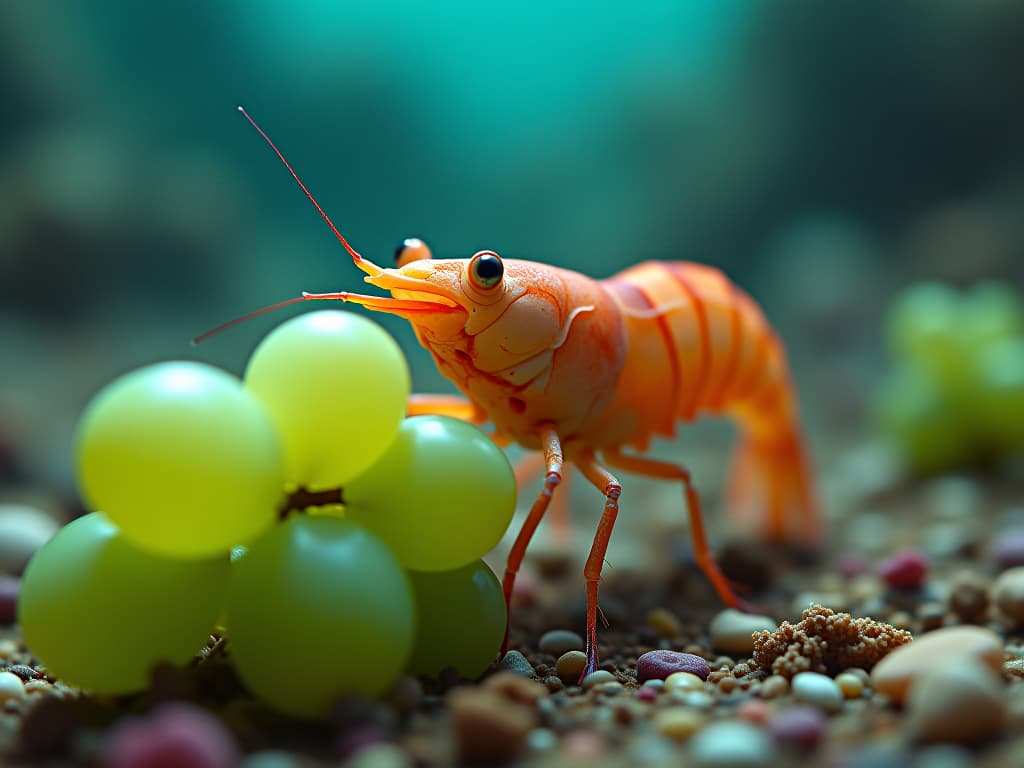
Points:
(1001, 392)
(318, 609)
(100, 612)
(924, 329)
(461, 620)
(182, 458)
(992, 312)
(929, 429)
(441, 496)
(336, 385)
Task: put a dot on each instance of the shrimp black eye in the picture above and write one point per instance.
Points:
(411, 249)
(486, 270)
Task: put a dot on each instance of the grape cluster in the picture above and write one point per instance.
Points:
(956, 395)
(187, 462)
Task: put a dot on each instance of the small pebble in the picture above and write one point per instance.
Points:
(174, 734)
(379, 755)
(731, 743)
(514, 661)
(894, 674)
(1008, 592)
(658, 665)
(961, 703)
(773, 687)
(678, 723)
(23, 530)
(11, 687)
(647, 693)
(542, 740)
(684, 681)
(487, 726)
(560, 641)
(798, 728)
(664, 622)
(906, 570)
(597, 678)
(570, 665)
(754, 711)
(732, 631)
(968, 597)
(819, 690)
(1008, 549)
(851, 686)
(583, 745)
(270, 758)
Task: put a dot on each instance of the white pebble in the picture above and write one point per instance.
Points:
(819, 690)
(732, 631)
(599, 677)
(11, 687)
(23, 530)
(733, 744)
(541, 740)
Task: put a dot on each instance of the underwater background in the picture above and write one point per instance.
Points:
(825, 155)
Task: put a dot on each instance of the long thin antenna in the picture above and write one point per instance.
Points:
(356, 257)
(231, 323)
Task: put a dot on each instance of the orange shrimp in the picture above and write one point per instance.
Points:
(583, 369)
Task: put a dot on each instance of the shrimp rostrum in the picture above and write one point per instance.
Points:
(589, 371)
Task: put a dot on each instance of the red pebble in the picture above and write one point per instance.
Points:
(800, 728)
(657, 665)
(905, 570)
(647, 693)
(173, 736)
(754, 711)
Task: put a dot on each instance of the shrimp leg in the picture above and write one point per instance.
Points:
(552, 447)
(445, 405)
(702, 551)
(605, 482)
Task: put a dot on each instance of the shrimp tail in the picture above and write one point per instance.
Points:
(770, 488)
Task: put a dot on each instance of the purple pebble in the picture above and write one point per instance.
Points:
(798, 728)
(905, 570)
(657, 665)
(9, 589)
(175, 735)
(1008, 549)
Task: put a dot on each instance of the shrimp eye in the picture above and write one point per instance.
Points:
(486, 270)
(411, 249)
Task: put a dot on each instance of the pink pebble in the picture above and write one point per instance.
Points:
(799, 728)
(907, 570)
(851, 565)
(583, 744)
(657, 665)
(9, 589)
(754, 711)
(1008, 549)
(173, 736)
(647, 693)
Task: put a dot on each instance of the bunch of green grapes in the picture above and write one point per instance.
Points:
(188, 463)
(956, 395)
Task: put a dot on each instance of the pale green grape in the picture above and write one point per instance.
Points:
(100, 613)
(925, 329)
(1001, 392)
(931, 431)
(318, 609)
(461, 620)
(441, 496)
(992, 312)
(182, 458)
(336, 385)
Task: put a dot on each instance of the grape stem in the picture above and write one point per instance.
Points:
(303, 498)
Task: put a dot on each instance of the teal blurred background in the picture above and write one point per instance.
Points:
(824, 154)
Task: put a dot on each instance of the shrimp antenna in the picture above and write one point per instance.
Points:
(356, 257)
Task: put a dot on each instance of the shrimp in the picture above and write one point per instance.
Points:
(588, 371)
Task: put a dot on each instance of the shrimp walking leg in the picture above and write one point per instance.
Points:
(702, 551)
(605, 482)
(553, 460)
